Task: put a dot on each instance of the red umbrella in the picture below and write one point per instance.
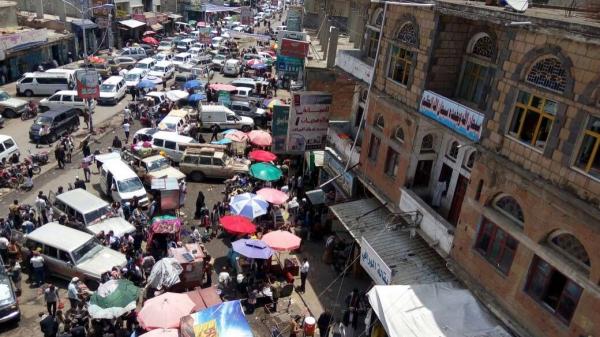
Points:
(237, 224)
(149, 32)
(150, 40)
(222, 87)
(262, 155)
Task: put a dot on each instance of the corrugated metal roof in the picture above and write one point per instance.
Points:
(410, 259)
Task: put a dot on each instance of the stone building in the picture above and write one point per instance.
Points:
(486, 122)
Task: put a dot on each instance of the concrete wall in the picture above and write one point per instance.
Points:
(8, 14)
(340, 85)
(53, 7)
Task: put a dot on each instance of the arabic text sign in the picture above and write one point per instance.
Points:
(87, 84)
(309, 121)
(279, 128)
(17, 39)
(455, 116)
(373, 264)
(346, 179)
(290, 66)
(294, 48)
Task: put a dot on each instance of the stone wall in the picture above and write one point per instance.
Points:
(341, 85)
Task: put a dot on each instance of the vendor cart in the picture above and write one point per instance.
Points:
(191, 257)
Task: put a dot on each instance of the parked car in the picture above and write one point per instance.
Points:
(223, 118)
(119, 182)
(11, 107)
(103, 69)
(137, 53)
(66, 98)
(147, 48)
(42, 83)
(112, 90)
(165, 46)
(9, 305)
(163, 57)
(183, 77)
(248, 109)
(61, 121)
(163, 69)
(68, 252)
(8, 146)
(151, 167)
(217, 62)
(231, 67)
(200, 162)
(121, 62)
(134, 76)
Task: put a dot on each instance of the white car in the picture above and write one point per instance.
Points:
(163, 57)
(165, 46)
(217, 62)
(66, 98)
(112, 90)
(163, 69)
(181, 58)
(134, 76)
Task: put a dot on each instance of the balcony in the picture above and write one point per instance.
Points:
(352, 62)
(340, 139)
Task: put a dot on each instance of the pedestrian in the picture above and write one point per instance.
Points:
(215, 133)
(79, 183)
(199, 205)
(48, 325)
(126, 127)
(85, 148)
(116, 144)
(350, 321)
(133, 92)
(164, 84)
(303, 274)
(73, 292)
(37, 263)
(324, 322)
(85, 166)
(15, 275)
(40, 207)
(4, 242)
(60, 154)
(51, 298)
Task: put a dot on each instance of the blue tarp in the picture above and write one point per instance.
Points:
(225, 319)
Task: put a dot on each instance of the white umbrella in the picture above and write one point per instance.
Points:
(249, 205)
(165, 273)
(176, 95)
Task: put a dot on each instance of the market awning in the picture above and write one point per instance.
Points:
(410, 259)
(131, 23)
(157, 26)
(174, 16)
(84, 23)
(316, 197)
(432, 310)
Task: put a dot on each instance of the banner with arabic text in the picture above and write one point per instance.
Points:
(309, 120)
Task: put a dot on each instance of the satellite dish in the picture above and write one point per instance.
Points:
(518, 5)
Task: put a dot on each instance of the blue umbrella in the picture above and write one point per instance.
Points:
(254, 249)
(249, 205)
(196, 97)
(258, 66)
(146, 84)
(223, 141)
(192, 84)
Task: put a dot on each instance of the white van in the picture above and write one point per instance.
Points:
(66, 98)
(121, 183)
(163, 69)
(42, 83)
(90, 213)
(244, 82)
(171, 123)
(146, 63)
(231, 67)
(171, 143)
(68, 72)
(216, 41)
(134, 76)
(181, 58)
(112, 90)
(8, 146)
(184, 45)
(224, 118)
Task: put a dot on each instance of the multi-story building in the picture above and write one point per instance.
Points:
(486, 123)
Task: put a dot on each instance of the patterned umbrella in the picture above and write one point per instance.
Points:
(248, 205)
(113, 299)
(222, 87)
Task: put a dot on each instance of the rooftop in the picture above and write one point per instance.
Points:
(315, 54)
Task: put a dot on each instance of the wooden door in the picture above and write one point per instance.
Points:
(457, 199)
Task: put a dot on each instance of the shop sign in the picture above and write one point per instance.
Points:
(309, 121)
(459, 118)
(293, 48)
(87, 84)
(294, 18)
(10, 41)
(246, 16)
(346, 179)
(279, 128)
(373, 264)
(290, 66)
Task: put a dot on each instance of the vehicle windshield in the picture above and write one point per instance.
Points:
(6, 294)
(142, 65)
(129, 185)
(159, 164)
(132, 77)
(159, 69)
(179, 58)
(4, 96)
(107, 88)
(41, 120)
(165, 43)
(96, 214)
(86, 250)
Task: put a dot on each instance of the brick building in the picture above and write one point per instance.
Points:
(486, 123)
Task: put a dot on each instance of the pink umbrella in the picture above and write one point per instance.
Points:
(165, 311)
(260, 137)
(272, 195)
(237, 136)
(281, 240)
(222, 87)
(252, 62)
(162, 333)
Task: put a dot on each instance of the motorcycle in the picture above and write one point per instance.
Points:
(7, 181)
(40, 158)
(30, 112)
(35, 168)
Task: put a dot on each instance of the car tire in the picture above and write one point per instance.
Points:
(197, 176)
(28, 93)
(9, 113)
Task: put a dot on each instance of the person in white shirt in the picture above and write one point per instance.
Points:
(126, 127)
(37, 263)
(4, 248)
(40, 208)
(224, 277)
(303, 274)
(73, 292)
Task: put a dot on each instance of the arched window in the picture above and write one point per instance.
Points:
(377, 18)
(453, 150)
(548, 73)
(380, 122)
(399, 134)
(508, 206)
(482, 45)
(407, 34)
(469, 160)
(478, 69)
(427, 144)
(568, 245)
(401, 53)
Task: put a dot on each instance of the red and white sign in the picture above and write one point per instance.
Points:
(294, 48)
(87, 84)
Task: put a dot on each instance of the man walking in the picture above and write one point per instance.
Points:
(37, 263)
(44, 131)
(48, 325)
(126, 127)
(59, 153)
(303, 274)
(73, 292)
(51, 298)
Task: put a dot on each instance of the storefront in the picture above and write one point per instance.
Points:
(131, 29)
(91, 29)
(344, 187)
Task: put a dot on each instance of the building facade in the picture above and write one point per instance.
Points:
(487, 123)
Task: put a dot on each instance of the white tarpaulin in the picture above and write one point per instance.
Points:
(165, 273)
(432, 310)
